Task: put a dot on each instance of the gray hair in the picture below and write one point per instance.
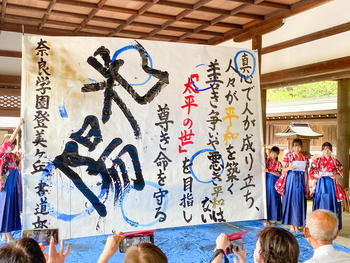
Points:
(323, 225)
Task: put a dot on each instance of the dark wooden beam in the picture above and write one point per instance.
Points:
(131, 19)
(295, 8)
(227, 12)
(74, 3)
(10, 92)
(10, 112)
(298, 7)
(251, 2)
(246, 34)
(3, 10)
(265, 28)
(62, 32)
(53, 22)
(263, 3)
(216, 20)
(307, 38)
(111, 20)
(330, 69)
(179, 17)
(220, 11)
(16, 7)
(305, 116)
(251, 16)
(92, 6)
(302, 80)
(217, 10)
(135, 12)
(343, 128)
(275, 5)
(30, 29)
(92, 13)
(10, 81)
(10, 53)
(47, 14)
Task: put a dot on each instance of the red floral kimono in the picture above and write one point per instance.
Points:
(8, 161)
(273, 166)
(330, 167)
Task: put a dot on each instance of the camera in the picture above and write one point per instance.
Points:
(236, 241)
(42, 236)
(135, 238)
(234, 245)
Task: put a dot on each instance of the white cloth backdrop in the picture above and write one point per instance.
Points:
(124, 135)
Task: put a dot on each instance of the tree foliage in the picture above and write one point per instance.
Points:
(310, 90)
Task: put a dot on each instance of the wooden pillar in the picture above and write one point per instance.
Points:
(343, 123)
(257, 45)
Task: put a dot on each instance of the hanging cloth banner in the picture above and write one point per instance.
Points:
(126, 135)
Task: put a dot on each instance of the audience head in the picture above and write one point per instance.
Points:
(274, 152)
(10, 253)
(32, 248)
(276, 245)
(25, 250)
(145, 253)
(322, 226)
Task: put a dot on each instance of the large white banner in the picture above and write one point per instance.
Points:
(125, 135)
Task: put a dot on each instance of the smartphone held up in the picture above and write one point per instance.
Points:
(236, 241)
(135, 238)
(42, 236)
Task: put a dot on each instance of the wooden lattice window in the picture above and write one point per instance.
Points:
(10, 101)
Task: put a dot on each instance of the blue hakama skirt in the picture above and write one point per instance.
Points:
(325, 197)
(294, 201)
(11, 203)
(273, 199)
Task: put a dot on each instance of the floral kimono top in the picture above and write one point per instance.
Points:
(273, 166)
(290, 157)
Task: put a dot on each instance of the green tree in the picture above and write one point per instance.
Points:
(303, 91)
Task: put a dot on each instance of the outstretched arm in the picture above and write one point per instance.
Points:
(222, 243)
(15, 132)
(111, 247)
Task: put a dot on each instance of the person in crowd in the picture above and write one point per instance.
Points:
(274, 245)
(27, 250)
(12, 254)
(326, 172)
(320, 231)
(145, 253)
(222, 242)
(32, 249)
(273, 199)
(10, 187)
(140, 253)
(296, 187)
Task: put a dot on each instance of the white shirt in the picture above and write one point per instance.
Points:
(327, 254)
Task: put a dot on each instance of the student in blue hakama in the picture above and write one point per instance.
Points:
(325, 172)
(296, 187)
(10, 187)
(273, 199)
